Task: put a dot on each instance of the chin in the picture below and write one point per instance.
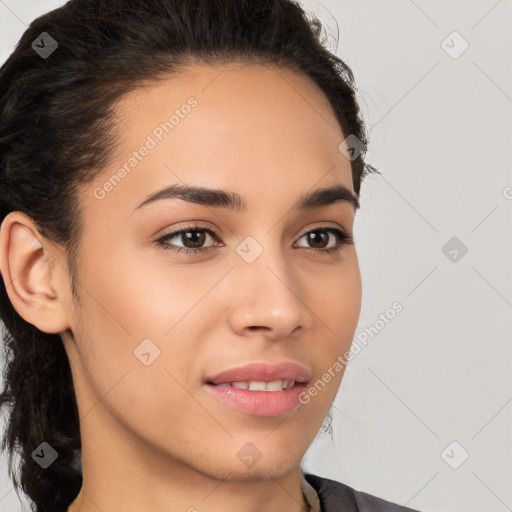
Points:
(261, 471)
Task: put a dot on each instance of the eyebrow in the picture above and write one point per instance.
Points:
(233, 201)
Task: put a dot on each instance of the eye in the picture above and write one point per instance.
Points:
(320, 236)
(191, 238)
(194, 237)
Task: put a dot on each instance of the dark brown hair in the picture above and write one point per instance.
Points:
(57, 126)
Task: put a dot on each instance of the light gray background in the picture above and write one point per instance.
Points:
(440, 371)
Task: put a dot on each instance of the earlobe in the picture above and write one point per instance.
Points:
(30, 267)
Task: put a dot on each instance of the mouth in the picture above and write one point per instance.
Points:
(255, 385)
(259, 398)
(261, 389)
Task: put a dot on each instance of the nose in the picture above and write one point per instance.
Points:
(267, 298)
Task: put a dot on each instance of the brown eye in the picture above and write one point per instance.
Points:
(193, 239)
(318, 239)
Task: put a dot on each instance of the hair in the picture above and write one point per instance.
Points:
(58, 130)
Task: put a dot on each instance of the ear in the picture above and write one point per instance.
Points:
(35, 273)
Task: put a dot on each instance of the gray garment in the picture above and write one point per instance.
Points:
(310, 494)
(323, 494)
(338, 497)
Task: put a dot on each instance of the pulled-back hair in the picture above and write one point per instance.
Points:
(57, 127)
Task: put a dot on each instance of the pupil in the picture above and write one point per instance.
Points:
(314, 237)
(190, 237)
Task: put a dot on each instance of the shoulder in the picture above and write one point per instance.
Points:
(337, 497)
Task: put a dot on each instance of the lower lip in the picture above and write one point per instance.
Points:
(259, 403)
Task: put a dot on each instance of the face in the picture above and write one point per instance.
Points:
(161, 314)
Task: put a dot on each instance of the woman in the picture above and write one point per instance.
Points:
(179, 184)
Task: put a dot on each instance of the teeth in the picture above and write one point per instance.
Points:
(261, 386)
(275, 385)
(241, 385)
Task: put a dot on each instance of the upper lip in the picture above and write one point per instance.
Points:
(262, 372)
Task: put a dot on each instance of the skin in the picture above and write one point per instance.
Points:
(153, 439)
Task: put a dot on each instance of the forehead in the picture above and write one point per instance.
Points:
(235, 127)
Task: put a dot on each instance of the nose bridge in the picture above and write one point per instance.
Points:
(267, 291)
(261, 258)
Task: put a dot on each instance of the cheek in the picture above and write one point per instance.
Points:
(337, 303)
(124, 316)
(127, 301)
(142, 298)
(337, 310)
(133, 307)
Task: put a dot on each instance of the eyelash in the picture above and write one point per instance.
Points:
(162, 241)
